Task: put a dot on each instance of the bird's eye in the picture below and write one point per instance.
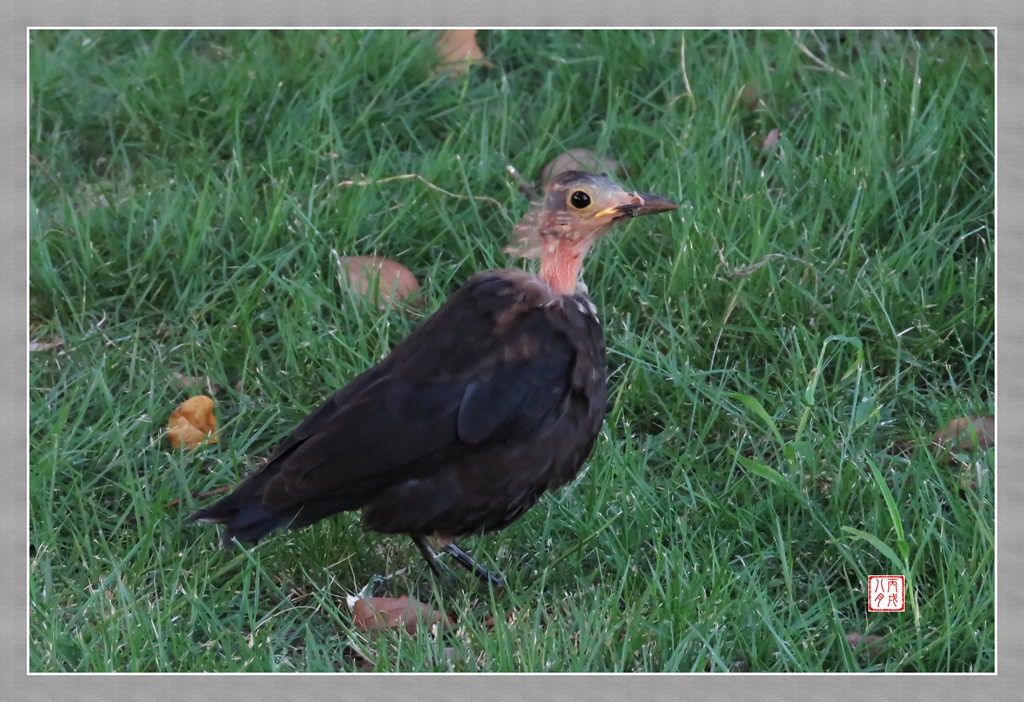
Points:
(579, 200)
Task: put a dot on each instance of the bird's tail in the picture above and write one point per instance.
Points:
(247, 521)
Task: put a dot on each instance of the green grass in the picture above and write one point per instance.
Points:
(765, 448)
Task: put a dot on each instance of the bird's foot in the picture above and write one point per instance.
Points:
(461, 557)
(372, 588)
(467, 562)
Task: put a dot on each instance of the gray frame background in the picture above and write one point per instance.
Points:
(1008, 19)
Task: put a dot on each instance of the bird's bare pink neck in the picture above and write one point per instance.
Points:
(560, 264)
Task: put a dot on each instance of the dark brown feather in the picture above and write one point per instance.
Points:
(495, 399)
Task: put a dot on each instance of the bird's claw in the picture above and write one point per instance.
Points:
(371, 588)
(466, 561)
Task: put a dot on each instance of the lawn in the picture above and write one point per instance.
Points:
(781, 349)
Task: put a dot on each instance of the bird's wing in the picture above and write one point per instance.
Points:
(488, 366)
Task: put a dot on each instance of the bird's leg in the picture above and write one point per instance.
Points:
(440, 570)
(467, 562)
(429, 555)
(463, 558)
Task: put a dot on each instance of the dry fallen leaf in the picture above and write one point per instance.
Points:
(871, 645)
(54, 343)
(458, 50)
(394, 281)
(578, 160)
(770, 140)
(192, 423)
(966, 433)
(374, 613)
(748, 98)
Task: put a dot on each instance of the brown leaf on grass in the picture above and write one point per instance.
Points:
(770, 140)
(37, 345)
(748, 98)
(374, 613)
(458, 50)
(578, 160)
(966, 434)
(192, 423)
(394, 282)
(871, 645)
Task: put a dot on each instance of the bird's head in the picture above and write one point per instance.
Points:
(577, 209)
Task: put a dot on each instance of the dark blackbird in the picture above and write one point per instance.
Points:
(494, 400)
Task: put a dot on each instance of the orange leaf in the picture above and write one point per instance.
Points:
(394, 281)
(374, 613)
(966, 433)
(192, 423)
(458, 49)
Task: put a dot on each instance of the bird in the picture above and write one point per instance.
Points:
(494, 400)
